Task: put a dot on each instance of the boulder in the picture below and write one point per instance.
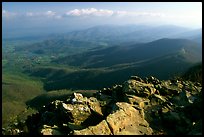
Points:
(80, 113)
(136, 78)
(125, 118)
(94, 105)
(139, 102)
(152, 80)
(100, 129)
(77, 98)
(83, 132)
(48, 130)
(137, 88)
(137, 107)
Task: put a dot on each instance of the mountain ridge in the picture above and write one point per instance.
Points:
(132, 52)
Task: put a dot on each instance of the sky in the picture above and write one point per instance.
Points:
(21, 19)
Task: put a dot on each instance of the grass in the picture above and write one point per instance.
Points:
(17, 88)
(20, 91)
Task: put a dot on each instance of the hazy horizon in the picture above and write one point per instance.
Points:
(21, 19)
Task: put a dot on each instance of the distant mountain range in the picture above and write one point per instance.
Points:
(164, 58)
(134, 33)
(188, 51)
(195, 35)
(104, 55)
(106, 36)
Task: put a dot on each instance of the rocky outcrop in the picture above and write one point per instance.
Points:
(100, 129)
(123, 120)
(137, 107)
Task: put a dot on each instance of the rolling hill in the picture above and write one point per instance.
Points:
(103, 55)
(195, 35)
(164, 58)
(99, 36)
(138, 53)
(116, 35)
(153, 33)
(17, 88)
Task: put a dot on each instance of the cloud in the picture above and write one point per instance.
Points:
(136, 14)
(4, 11)
(29, 14)
(58, 16)
(121, 13)
(74, 12)
(90, 12)
(106, 12)
(93, 12)
(50, 13)
(7, 14)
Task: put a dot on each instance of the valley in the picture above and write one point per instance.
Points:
(37, 71)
